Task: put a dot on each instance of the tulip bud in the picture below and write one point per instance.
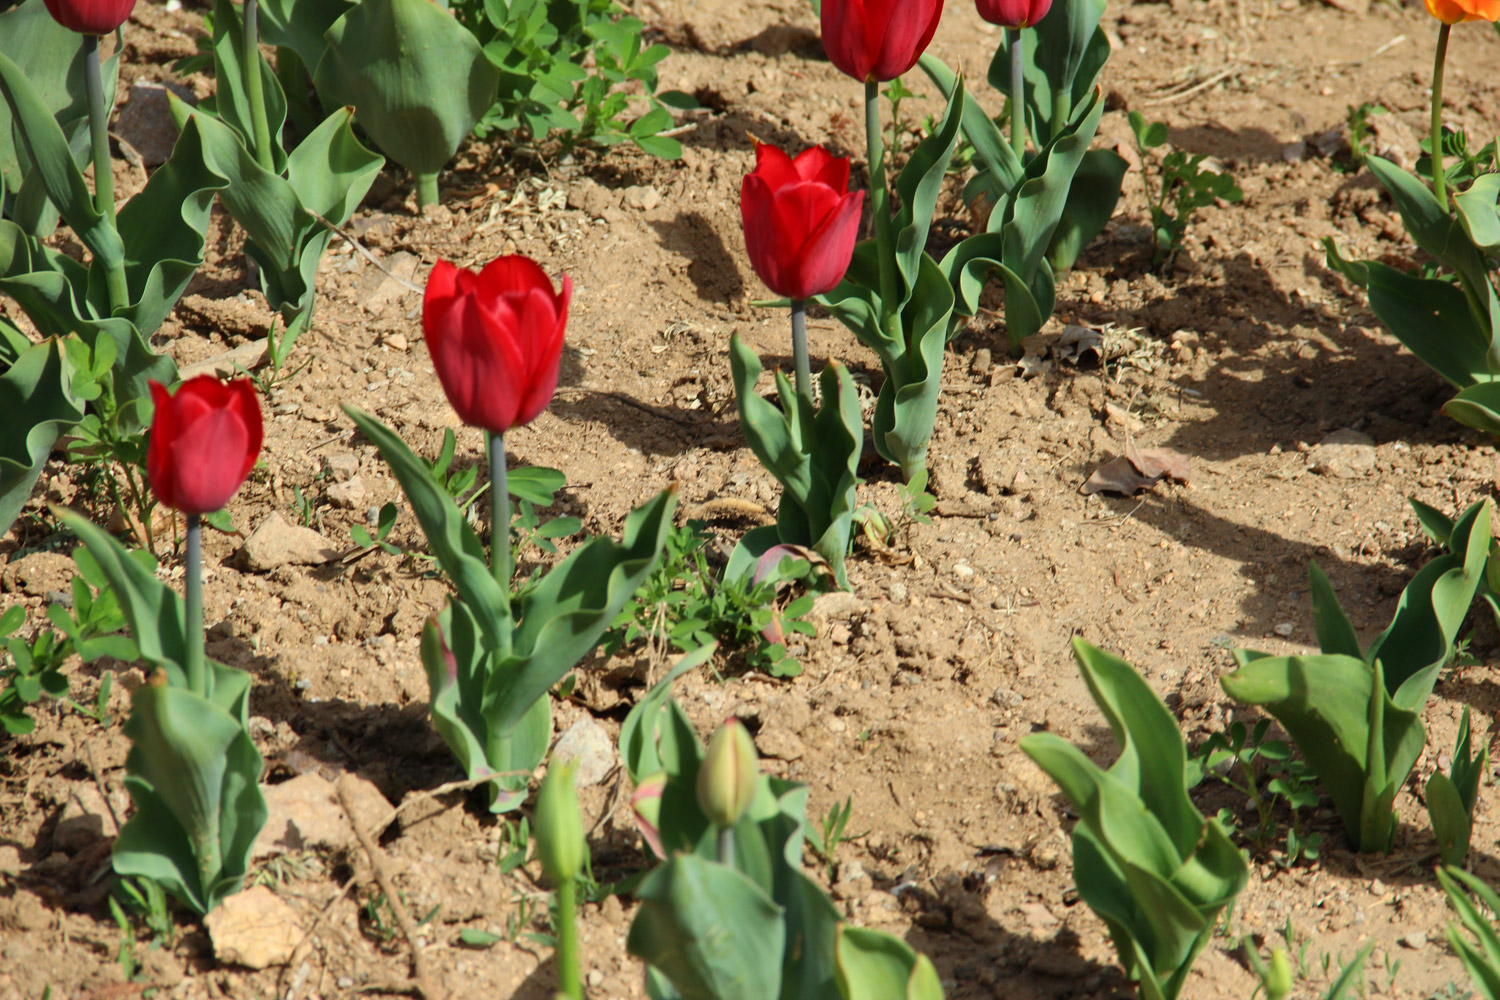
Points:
(90, 17)
(878, 39)
(1278, 978)
(646, 804)
(205, 438)
(559, 825)
(727, 776)
(1013, 13)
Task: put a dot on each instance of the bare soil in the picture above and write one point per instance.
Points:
(1244, 355)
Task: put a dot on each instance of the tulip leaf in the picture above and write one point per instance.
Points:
(562, 617)
(1433, 228)
(457, 700)
(1477, 210)
(1477, 406)
(37, 404)
(1144, 858)
(1481, 960)
(919, 184)
(656, 735)
(418, 79)
(301, 25)
(153, 610)
(52, 58)
(708, 929)
(192, 773)
(990, 144)
(1092, 197)
(456, 546)
(1335, 633)
(874, 965)
(1062, 57)
(814, 454)
(51, 157)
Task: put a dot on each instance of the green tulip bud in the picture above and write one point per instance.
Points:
(726, 778)
(1278, 978)
(559, 825)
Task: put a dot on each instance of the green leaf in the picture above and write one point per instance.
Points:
(709, 930)
(874, 965)
(1433, 320)
(535, 484)
(418, 80)
(1477, 406)
(1092, 197)
(36, 406)
(1335, 634)
(230, 102)
(1451, 822)
(656, 735)
(919, 184)
(990, 144)
(1437, 525)
(469, 937)
(1477, 211)
(300, 25)
(1434, 230)
(453, 542)
(563, 616)
(906, 406)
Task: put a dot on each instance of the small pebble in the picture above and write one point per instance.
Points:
(595, 978)
(1284, 629)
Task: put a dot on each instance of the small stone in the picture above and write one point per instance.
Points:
(1344, 454)
(834, 606)
(372, 516)
(587, 743)
(1283, 629)
(595, 979)
(304, 814)
(342, 466)
(779, 744)
(86, 819)
(254, 928)
(347, 495)
(980, 365)
(146, 122)
(1415, 940)
(279, 543)
(642, 199)
(397, 342)
(963, 571)
(898, 591)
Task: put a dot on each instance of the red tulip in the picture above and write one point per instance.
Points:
(1013, 13)
(91, 17)
(800, 219)
(204, 441)
(878, 39)
(496, 339)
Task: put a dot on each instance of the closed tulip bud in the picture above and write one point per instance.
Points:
(878, 39)
(1278, 978)
(1454, 11)
(90, 17)
(727, 776)
(559, 825)
(800, 220)
(645, 803)
(205, 438)
(496, 339)
(1016, 13)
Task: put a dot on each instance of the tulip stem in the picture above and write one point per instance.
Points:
(880, 202)
(193, 606)
(500, 518)
(1439, 179)
(799, 349)
(726, 846)
(569, 983)
(427, 190)
(1017, 94)
(104, 177)
(254, 91)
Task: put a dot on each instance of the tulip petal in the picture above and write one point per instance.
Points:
(206, 459)
(773, 166)
(819, 165)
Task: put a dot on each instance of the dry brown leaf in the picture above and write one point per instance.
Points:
(1137, 470)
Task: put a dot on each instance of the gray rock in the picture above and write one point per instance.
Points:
(349, 494)
(1344, 454)
(146, 121)
(342, 466)
(279, 543)
(589, 745)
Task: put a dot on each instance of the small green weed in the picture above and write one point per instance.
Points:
(831, 834)
(1182, 188)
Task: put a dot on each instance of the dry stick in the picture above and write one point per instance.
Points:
(421, 974)
(1200, 85)
(367, 255)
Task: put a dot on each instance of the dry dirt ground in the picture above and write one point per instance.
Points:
(1244, 356)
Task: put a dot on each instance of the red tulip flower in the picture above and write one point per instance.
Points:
(91, 17)
(496, 339)
(1015, 13)
(800, 220)
(878, 39)
(204, 441)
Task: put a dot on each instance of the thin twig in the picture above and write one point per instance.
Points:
(367, 255)
(1200, 85)
(430, 988)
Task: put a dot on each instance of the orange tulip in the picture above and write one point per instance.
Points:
(1454, 11)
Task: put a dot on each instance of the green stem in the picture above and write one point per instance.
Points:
(104, 177)
(569, 983)
(427, 190)
(1439, 181)
(254, 92)
(193, 606)
(726, 846)
(880, 202)
(800, 359)
(1017, 94)
(499, 517)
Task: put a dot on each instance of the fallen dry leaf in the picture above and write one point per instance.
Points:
(1137, 470)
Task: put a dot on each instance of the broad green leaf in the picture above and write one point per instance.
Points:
(1450, 820)
(1477, 211)
(36, 406)
(1477, 406)
(906, 406)
(417, 79)
(1433, 320)
(230, 102)
(656, 736)
(874, 965)
(300, 25)
(563, 616)
(1437, 525)
(1092, 197)
(919, 184)
(453, 542)
(1433, 228)
(1335, 634)
(1062, 55)
(990, 144)
(710, 930)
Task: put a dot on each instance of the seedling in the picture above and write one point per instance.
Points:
(1183, 187)
(831, 835)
